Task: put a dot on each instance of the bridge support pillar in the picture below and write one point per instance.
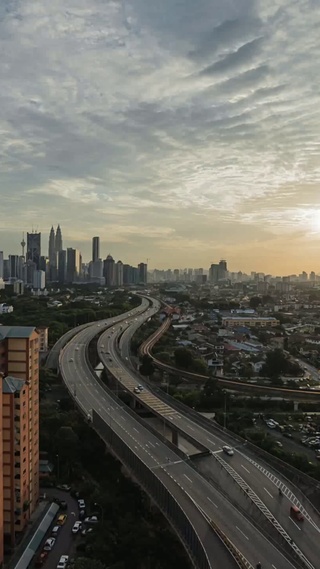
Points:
(133, 403)
(175, 437)
(296, 405)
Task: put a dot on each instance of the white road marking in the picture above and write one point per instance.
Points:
(244, 468)
(244, 535)
(210, 441)
(268, 492)
(294, 523)
(187, 477)
(136, 430)
(274, 567)
(191, 428)
(157, 444)
(151, 444)
(212, 502)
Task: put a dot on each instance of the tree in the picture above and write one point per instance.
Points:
(275, 365)
(147, 367)
(254, 302)
(183, 358)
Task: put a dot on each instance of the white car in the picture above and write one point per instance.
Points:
(55, 530)
(76, 527)
(228, 450)
(91, 520)
(49, 544)
(81, 504)
(63, 562)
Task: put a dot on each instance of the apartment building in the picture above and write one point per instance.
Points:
(1, 478)
(249, 321)
(19, 364)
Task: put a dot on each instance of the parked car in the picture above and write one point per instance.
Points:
(41, 558)
(228, 450)
(62, 519)
(81, 504)
(278, 444)
(65, 487)
(85, 531)
(49, 544)
(76, 527)
(63, 562)
(55, 531)
(91, 520)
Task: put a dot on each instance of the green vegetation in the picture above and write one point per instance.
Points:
(34, 311)
(133, 534)
(277, 363)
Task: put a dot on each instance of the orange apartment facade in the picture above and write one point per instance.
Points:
(19, 365)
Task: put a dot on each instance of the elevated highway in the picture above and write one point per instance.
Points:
(204, 506)
(262, 482)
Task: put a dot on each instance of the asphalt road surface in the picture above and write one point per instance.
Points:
(306, 536)
(189, 487)
(65, 543)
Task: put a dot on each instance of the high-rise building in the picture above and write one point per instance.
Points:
(34, 248)
(62, 266)
(119, 273)
(39, 280)
(143, 273)
(58, 240)
(14, 266)
(73, 264)
(223, 270)
(19, 366)
(52, 256)
(95, 249)
(1, 476)
(214, 273)
(109, 271)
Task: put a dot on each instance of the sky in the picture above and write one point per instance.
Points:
(178, 131)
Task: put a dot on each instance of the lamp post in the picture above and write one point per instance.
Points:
(58, 466)
(101, 510)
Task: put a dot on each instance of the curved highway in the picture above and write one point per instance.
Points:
(305, 537)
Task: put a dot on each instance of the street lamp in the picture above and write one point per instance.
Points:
(58, 466)
(101, 510)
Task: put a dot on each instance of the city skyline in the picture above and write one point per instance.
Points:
(173, 130)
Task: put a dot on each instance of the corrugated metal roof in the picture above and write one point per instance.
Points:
(16, 331)
(12, 384)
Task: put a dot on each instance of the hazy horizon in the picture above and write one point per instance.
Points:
(183, 132)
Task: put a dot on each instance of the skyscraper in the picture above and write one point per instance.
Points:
(62, 266)
(143, 269)
(1, 264)
(119, 273)
(58, 240)
(34, 248)
(109, 271)
(95, 249)
(73, 264)
(52, 254)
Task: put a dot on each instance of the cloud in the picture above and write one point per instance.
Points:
(159, 124)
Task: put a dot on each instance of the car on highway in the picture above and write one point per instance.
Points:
(228, 450)
(71, 360)
(278, 444)
(136, 390)
(76, 527)
(62, 519)
(295, 513)
(49, 544)
(140, 387)
(63, 562)
(41, 558)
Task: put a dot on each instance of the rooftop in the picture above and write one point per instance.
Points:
(12, 384)
(16, 331)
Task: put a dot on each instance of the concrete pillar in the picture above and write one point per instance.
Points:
(296, 405)
(133, 402)
(175, 437)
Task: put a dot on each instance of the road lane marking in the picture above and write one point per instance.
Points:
(244, 468)
(136, 430)
(191, 428)
(294, 523)
(212, 502)
(150, 443)
(187, 477)
(274, 567)
(244, 535)
(210, 441)
(268, 492)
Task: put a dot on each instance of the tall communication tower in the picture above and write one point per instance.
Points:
(23, 244)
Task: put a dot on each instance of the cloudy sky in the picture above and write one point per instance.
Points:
(181, 131)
